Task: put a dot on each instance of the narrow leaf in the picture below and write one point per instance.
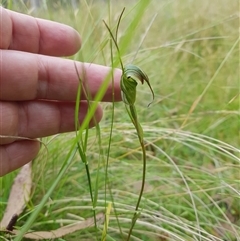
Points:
(63, 231)
(19, 196)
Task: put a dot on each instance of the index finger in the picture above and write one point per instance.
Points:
(26, 76)
(25, 33)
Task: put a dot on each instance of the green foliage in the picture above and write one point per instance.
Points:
(191, 131)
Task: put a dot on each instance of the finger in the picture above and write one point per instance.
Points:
(36, 119)
(25, 33)
(43, 77)
(17, 154)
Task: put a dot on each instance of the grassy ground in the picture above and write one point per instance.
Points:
(191, 55)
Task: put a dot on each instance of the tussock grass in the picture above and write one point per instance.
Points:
(190, 54)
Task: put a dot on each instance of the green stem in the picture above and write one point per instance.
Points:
(133, 115)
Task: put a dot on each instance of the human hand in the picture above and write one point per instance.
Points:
(37, 88)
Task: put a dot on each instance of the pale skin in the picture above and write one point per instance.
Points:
(38, 88)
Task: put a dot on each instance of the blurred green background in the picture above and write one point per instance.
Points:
(191, 55)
